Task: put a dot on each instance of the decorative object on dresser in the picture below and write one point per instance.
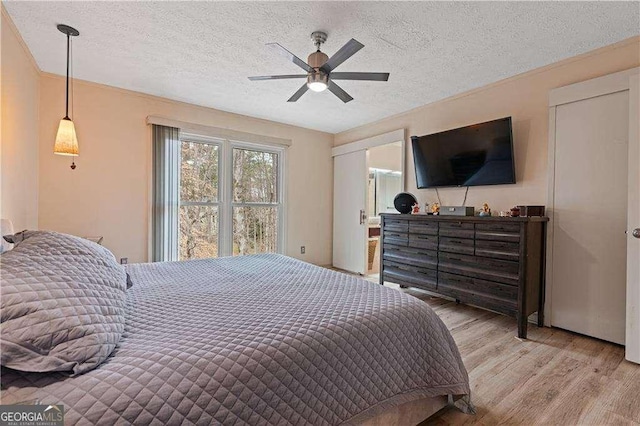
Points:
(528, 211)
(485, 211)
(404, 202)
(457, 211)
(495, 263)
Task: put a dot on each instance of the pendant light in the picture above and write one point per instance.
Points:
(66, 140)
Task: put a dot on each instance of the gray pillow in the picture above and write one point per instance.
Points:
(63, 304)
(18, 237)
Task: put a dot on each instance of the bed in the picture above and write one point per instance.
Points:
(262, 339)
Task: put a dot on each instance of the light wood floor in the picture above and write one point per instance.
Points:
(553, 378)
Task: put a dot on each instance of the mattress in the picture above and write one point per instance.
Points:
(263, 339)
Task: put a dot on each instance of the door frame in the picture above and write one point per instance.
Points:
(364, 145)
(632, 352)
(608, 84)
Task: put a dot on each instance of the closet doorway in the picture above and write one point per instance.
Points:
(368, 174)
(384, 183)
(593, 277)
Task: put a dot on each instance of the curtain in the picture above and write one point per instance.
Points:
(166, 169)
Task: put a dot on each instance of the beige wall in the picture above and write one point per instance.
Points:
(20, 84)
(387, 156)
(525, 98)
(109, 192)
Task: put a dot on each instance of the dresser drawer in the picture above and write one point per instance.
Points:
(475, 267)
(410, 275)
(457, 229)
(420, 227)
(411, 256)
(456, 259)
(509, 232)
(423, 241)
(456, 245)
(396, 225)
(498, 265)
(397, 238)
(479, 286)
(498, 226)
(498, 249)
(470, 296)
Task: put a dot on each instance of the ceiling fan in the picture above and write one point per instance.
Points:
(319, 67)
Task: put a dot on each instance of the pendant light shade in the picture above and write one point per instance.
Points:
(66, 140)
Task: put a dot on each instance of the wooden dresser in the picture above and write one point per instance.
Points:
(495, 263)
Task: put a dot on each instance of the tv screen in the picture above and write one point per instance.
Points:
(481, 154)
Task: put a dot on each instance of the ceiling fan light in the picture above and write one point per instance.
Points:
(317, 86)
(317, 81)
(66, 140)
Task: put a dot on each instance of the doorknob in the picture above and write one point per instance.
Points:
(636, 233)
(363, 217)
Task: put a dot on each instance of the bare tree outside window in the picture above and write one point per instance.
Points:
(254, 200)
(198, 200)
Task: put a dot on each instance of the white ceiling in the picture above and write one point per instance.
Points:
(203, 52)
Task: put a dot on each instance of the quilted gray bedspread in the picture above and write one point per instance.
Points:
(262, 339)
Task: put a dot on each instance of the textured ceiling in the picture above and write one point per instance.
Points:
(203, 52)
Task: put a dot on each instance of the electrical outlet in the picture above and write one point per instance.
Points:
(124, 260)
(302, 249)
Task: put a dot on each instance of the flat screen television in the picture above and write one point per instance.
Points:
(480, 154)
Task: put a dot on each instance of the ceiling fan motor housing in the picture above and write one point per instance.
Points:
(317, 59)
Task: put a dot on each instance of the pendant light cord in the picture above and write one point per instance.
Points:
(71, 71)
(66, 107)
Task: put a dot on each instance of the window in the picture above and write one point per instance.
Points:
(231, 200)
(255, 201)
(199, 206)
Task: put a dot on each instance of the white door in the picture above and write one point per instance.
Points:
(590, 216)
(349, 211)
(633, 224)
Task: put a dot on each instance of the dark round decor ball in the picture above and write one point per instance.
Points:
(404, 202)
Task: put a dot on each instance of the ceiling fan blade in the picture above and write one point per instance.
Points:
(277, 77)
(345, 52)
(299, 93)
(369, 76)
(337, 90)
(290, 56)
